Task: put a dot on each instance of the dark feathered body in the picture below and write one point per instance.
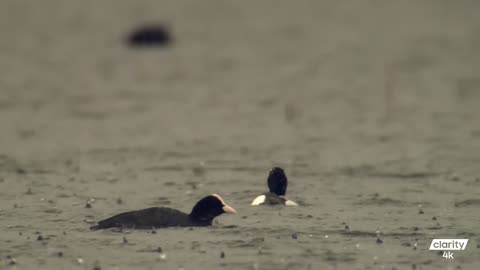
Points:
(202, 214)
(273, 199)
(155, 217)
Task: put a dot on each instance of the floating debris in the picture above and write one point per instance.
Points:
(347, 228)
(39, 237)
(11, 260)
(434, 218)
(96, 266)
(89, 203)
(29, 191)
(119, 201)
(125, 241)
(162, 256)
(60, 254)
(294, 236)
(80, 260)
(222, 255)
(155, 35)
(379, 241)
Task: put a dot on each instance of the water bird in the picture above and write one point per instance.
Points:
(202, 214)
(277, 184)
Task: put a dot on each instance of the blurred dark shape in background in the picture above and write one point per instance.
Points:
(152, 35)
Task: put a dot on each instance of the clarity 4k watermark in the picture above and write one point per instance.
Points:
(447, 245)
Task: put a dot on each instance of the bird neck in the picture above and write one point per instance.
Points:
(201, 219)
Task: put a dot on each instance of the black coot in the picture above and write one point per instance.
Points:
(202, 214)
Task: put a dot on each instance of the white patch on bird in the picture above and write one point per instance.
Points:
(259, 200)
(219, 198)
(290, 203)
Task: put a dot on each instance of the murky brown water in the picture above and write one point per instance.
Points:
(372, 108)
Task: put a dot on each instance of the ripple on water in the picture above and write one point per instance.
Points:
(332, 256)
(382, 202)
(469, 202)
(372, 171)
